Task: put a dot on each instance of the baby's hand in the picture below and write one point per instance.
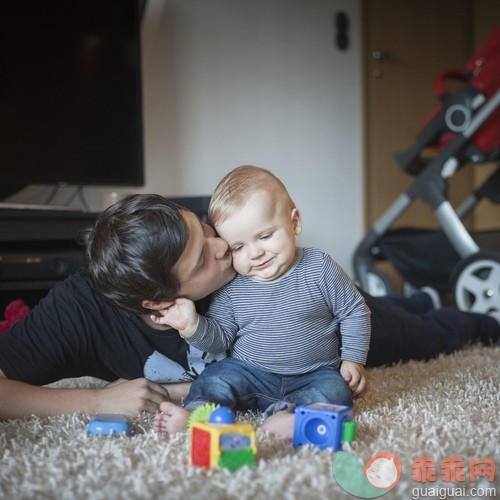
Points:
(181, 316)
(355, 376)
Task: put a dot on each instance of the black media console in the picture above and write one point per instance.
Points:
(38, 248)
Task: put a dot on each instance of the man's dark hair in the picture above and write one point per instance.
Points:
(131, 249)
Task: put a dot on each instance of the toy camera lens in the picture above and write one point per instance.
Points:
(315, 431)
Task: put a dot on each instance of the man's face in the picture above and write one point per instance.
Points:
(206, 264)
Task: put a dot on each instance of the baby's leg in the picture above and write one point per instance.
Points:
(280, 424)
(172, 419)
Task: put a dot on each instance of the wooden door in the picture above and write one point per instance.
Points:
(486, 20)
(406, 44)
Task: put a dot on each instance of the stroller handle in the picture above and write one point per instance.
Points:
(440, 88)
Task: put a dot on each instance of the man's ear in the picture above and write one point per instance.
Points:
(296, 221)
(154, 305)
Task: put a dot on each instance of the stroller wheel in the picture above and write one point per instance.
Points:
(378, 283)
(476, 283)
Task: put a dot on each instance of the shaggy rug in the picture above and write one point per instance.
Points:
(446, 409)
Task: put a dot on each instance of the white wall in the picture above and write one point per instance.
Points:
(228, 82)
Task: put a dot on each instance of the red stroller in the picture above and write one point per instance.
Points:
(464, 128)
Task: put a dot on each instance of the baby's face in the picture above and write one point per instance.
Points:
(261, 236)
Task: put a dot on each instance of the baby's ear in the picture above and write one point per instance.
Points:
(296, 221)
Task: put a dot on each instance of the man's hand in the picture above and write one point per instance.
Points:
(181, 316)
(355, 376)
(131, 397)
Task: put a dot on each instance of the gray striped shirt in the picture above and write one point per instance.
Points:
(290, 325)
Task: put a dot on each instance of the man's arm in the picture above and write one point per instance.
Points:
(127, 397)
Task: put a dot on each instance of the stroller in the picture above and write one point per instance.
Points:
(464, 128)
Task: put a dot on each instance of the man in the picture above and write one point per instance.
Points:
(141, 254)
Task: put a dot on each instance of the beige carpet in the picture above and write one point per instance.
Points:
(447, 407)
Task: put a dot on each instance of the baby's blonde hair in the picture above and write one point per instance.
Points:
(236, 187)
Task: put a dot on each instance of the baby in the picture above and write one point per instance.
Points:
(280, 319)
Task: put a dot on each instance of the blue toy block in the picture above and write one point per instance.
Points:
(321, 425)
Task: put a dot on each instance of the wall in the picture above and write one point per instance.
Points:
(228, 82)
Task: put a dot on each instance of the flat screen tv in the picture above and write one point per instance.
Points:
(70, 93)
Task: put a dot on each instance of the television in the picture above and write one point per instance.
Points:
(70, 93)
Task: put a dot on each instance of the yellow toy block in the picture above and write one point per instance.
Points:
(225, 445)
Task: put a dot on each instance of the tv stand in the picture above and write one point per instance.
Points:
(38, 248)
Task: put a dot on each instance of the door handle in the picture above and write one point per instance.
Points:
(380, 55)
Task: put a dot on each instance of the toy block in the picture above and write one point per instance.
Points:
(222, 443)
(322, 425)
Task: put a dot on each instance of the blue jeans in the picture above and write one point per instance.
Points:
(241, 386)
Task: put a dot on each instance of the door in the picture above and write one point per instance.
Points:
(486, 20)
(406, 44)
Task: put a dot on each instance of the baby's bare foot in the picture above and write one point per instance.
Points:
(172, 419)
(280, 424)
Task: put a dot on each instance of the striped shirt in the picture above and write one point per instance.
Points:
(289, 325)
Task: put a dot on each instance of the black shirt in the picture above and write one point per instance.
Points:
(73, 332)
